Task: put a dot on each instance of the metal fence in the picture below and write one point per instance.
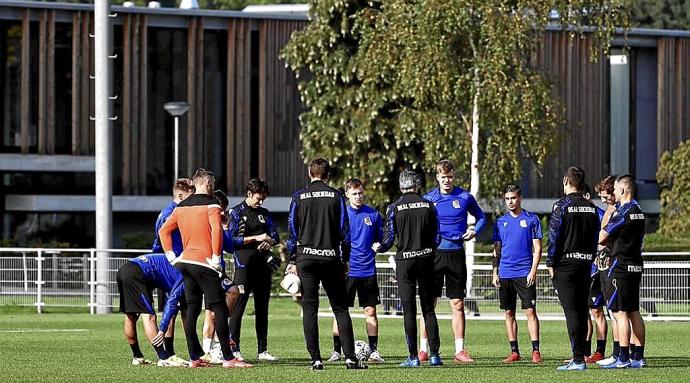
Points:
(55, 278)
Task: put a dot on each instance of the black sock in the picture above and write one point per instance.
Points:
(639, 353)
(337, 345)
(373, 342)
(616, 349)
(624, 355)
(588, 347)
(170, 345)
(514, 346)
(535, 345)
(631, 349)
(136, 351)
(601, 346)
(160, 350)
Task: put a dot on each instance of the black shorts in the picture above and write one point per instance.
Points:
(449, 265)
(627, 293)
(202, 282)
(366, 288)
(596, 295)
(511, 288)
(606, 285)
(136, 293)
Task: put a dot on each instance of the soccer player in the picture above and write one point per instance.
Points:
(572, 246)
(319, 247)
(136, 280)
(605, 190)
(366, 229)
(182, 189)
(517, 250)
(596, 303)
(253, 234)
(624, 234)
(232, 291)
(199, 221)
(414, 221)
(453, 204)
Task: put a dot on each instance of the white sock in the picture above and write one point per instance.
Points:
(459, 345)
(423, 345)
(206, 344)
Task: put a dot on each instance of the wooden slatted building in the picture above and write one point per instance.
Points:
(243, 120)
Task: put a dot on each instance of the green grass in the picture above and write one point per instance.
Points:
(101, 354)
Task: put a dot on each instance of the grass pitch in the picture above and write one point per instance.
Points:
(83, 348)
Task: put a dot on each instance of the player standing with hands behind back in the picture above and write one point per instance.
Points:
(414, 221)
(573, 226)
(319, 247)
(517, 251)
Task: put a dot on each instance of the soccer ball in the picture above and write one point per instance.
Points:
(362, 350)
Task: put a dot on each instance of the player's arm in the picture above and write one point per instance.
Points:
(345, 244)
(436, 225)
(536, 235)
(614, 224)
(388, 231)
(378, 227)
(165, 235)
(291, 243)
(555, 224)
(496, 261)
(214, 219)
(272, 230)
(170, 309)
(477, 212)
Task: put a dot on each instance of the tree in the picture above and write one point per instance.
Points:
(674, 181)
(662, 14)
(406, 83)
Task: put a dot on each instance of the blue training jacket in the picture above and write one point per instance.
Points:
(176, 237)
(165, 277)
(452, 211)
(366, 227)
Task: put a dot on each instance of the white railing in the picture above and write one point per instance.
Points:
(46, 277)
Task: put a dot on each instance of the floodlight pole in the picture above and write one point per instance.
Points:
(103, 151)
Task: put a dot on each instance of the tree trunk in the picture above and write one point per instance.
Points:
(474, 179)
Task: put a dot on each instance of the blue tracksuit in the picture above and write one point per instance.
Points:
(165, 277)
(452, 211)
(176, 237)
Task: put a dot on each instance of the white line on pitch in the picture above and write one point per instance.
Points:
(27, 330)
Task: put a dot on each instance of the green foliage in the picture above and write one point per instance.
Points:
(390, 85)
(673, 177)
(137, 240)
(662, 14)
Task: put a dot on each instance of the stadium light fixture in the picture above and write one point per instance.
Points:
(176, 109)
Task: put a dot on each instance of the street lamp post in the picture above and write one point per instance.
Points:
(176, 109)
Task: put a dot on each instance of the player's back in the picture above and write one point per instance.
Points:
(416, 225)
(195, 226)
(320, 219)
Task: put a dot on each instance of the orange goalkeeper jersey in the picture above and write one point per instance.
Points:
(198, 219)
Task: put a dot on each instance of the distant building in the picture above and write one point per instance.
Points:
(622, 111)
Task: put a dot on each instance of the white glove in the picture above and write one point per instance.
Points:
(170, 255)
(214, 261)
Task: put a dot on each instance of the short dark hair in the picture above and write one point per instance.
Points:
(222, 199)
(203, 174)
(575, 177)
(512, 188)
(586, 189)
(629, 180)
(184, 184)
(257, 185)
(319, 168)
(354, 183)
(606, 185)
(445, 166)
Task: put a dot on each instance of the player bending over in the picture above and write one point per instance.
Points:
(136, 280)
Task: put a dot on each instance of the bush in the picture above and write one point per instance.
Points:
(673, 177)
